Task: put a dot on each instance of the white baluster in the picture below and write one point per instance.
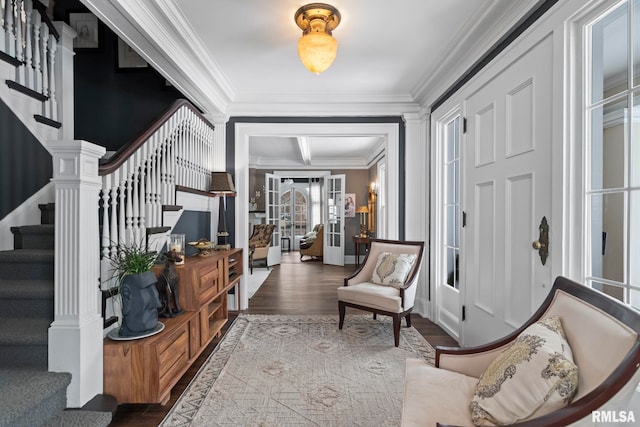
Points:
(113, 223)
(158, 181)
(28, 47)
(51, 106)
(106, 239)
(37, 58)
(135, 199)
(143, 196)
(9, 28)
(44, 38)
(3, 5)
(19, 41)
(148, 198)
(122, 232)
(128, 201)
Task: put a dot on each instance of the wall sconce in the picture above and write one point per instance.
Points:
(222, 184)
(316, 48)
(362, 212)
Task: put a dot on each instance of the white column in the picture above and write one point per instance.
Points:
(75, 336)
(64, 79)
(219, 152)
(417, 197)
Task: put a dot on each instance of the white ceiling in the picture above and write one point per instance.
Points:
(239, 57)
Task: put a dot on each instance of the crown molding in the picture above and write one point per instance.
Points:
(306, 108)
(502, 16)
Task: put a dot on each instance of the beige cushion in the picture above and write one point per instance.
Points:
(435, 395)
(536, 375)
(392, 269)
(367, 294)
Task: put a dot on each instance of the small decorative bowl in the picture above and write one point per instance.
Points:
(203, 247)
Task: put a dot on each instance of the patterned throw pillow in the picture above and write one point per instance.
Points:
(392, 269)
(536, 375)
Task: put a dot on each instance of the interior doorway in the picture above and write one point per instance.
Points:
(294, 211)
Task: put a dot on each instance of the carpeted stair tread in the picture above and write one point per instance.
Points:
(27, 255)
(34, 229)
(26, 289)
(24, 331)
(31, 397)
(72, 418)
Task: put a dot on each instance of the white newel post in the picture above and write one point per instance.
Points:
(75, 336)
(64, 79)
(417, 198)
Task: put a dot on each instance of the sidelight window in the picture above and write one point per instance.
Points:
(612, 114)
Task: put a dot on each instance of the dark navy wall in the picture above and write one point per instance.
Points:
(25, 165)
(194, 225)
(113, 106)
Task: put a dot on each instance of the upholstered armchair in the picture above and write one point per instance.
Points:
(385, 283)
(313, 246)
(575, 362)
(259, 244)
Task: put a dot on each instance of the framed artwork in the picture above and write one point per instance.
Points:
(127, 58)
(86, 26)
(349, 205)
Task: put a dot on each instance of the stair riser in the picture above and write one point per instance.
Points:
(25, 356)
(26, 271)
(33, 241)
(26, 308)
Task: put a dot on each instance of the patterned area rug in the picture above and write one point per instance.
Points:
(284, 370)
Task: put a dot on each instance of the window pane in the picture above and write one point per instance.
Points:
(634, 144)
(451, 141)
(634, 238)
(613, 291)
(452, 267)
(636, 43)
(635, 298)
(607, 145)
(607, 236)
(452, 226)
(451, 183)
(609, 54)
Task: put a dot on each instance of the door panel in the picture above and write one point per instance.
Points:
(507, 190)
(333, 251)
(272, 207)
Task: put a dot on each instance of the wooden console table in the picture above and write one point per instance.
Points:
(145, 370)
(358, 241)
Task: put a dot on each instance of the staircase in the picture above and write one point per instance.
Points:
(29, 394)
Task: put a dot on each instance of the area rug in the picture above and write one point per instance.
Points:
(289, 370)
(255, 280)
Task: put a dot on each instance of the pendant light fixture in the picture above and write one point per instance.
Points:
(316, 48)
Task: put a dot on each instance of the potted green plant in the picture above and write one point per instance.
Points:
(133, 266)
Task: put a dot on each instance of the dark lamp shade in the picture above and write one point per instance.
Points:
(221, 182)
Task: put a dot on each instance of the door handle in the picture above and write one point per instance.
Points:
(542, 244)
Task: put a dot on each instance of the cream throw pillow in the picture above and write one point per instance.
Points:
(392, 269)
(536, 375)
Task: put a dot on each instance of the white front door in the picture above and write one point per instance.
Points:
(506, 191)
(272, 207)
(333, 251)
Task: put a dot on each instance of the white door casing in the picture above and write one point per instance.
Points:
(272, 207)
(507, 190)
(333, 250)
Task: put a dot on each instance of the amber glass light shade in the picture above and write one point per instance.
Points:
(317, 51)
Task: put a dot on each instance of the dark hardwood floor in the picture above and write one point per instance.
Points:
(293, 287)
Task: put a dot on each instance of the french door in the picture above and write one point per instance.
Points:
(272, 208)
(333, 251)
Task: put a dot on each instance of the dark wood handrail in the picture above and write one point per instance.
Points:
(127, 150)
(42, 9)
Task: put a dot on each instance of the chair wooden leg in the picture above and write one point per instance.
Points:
(375, 316)
(396, 329)
(341, 310)
(408, 318)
